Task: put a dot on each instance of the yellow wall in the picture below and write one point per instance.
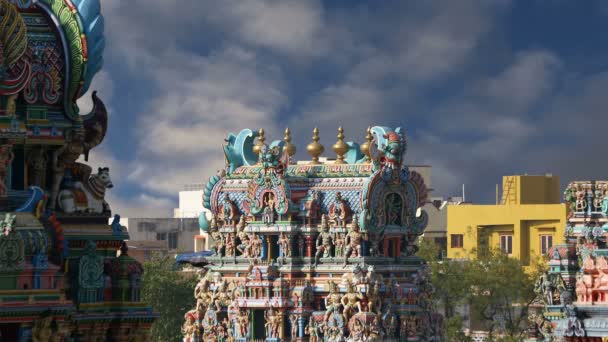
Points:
(525, 222)
(531, 209)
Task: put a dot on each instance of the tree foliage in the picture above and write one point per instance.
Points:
(497, 289)
(170, 293)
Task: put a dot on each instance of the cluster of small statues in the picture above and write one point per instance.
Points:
(592, 284)
(585, 196)
(344, 245)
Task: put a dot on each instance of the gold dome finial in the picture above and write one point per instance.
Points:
(289, 147)
(257, 148)
(315, 148)
(365, 146)
(340, 147)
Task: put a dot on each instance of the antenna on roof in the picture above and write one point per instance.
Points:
(463, 198)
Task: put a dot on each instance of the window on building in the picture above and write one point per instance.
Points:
(161, 236)
(506, 244)
(172, 240)
(456, 240)
(546, 242)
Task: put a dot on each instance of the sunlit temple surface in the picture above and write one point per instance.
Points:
(574, 292)
(60, 276)
(313, 251)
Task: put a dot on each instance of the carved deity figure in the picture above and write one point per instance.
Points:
(339, 239)
(313, 208)
(229, 244)
(228, 211)
(324, 241)
(293, 319)
(353, 241)
(65, 157)
(218, 241)
(351, 301)
(6, 158)
(581, 202)
(255, 245)
(243, 323)
(268, 214)
(333, 301)
(313, 329)
(285, 245)
(374, 302)
(202, 295)
(584, 285)
(339, 211)
(222, 295)
(190, 329)
(301, 245)
(245, 246)
(374, 248)
(273, 324)
(598, 197)
(42, 329)
(601, 286)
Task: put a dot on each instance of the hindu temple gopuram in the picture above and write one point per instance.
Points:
(65, 274)
(574, 291)
(312, 250)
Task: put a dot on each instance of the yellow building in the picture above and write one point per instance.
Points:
(527, 221)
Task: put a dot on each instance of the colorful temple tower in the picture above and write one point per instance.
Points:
(60, 276)
(313, 251)
(574, 291)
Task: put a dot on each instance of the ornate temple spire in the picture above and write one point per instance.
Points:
(366, 145)
(340, 147)
(315, 149)
(257, 148)
(289, 147)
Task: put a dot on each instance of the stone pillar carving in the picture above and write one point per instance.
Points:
(309, 243)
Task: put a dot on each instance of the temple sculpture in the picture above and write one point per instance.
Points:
(573, 293)
(65, 273)
(323, 250)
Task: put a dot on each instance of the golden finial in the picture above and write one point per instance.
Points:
(289, 147)
(365, 146)
(340, 147)
(257, 148)
(315, 148)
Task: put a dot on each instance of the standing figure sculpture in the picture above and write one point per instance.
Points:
(339, 211)
(312, 208)
(228, 212)
(285, 245)
(333, 301)
(353, 241)
(313, 330)
(324, 241)
(351, 301)
(268, 216)
(273, 324)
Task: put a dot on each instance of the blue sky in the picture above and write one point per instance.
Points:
(483, 88)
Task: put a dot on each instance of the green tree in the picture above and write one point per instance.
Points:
(170, 293)
(501, 293)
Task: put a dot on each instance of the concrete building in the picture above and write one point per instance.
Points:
(437, 229)
(525, 224)
(190, 201)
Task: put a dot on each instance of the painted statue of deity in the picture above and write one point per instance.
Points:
(313, 329)
(268, 213)
(374, 302)
(339, 211)
(6, 158)
(312, 208)
(393, 151)
(325, 241)
(353, 241)
(285, 245)
(245, 246)
(351, 301)
(203, 296)
(274, 321)
(256, 245)
(598, 197)
(243, 324)
(229, 244)
(293, 319)
(374, 241)
(581, 202)
(218, 241)
(340, 239)
(229, 212)
(332, 301)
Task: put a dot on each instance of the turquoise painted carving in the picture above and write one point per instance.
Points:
(90, 268)
(239, 150)
(12, 247)
(605, 205)
(203, 223)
